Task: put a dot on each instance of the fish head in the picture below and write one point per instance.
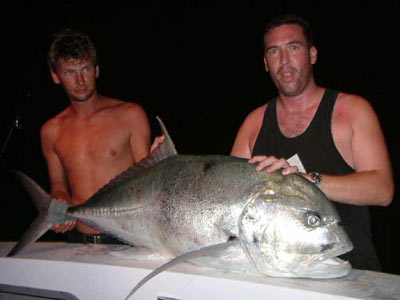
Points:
(289, 228)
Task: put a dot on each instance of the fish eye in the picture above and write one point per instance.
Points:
(313, 220)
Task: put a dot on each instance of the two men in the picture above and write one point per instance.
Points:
(95, 138)
(335, 136)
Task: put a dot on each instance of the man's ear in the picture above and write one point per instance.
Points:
(55, 77)
(265, 64)
(313, 55)
(97, 71)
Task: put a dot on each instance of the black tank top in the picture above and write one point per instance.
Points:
(317, 151)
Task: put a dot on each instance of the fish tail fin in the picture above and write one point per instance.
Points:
(50, 211)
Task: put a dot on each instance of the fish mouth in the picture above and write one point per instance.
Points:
(331, 266)
(334, 261)
(326, 265)
(332, 256)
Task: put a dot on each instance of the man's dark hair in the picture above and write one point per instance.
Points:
(70, 44)
(290, 19)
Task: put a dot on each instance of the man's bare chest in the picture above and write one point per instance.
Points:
(78, 144)
(294, 124)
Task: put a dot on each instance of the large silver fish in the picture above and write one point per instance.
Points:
(214, 210)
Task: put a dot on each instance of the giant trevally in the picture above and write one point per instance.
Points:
(214, 210)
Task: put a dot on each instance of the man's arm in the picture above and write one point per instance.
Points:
(57, 176)
(372, 183)
(361, 142)
(140, 132)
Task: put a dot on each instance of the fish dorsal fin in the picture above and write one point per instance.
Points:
(206, 251)
(163, 151)
(167, 148)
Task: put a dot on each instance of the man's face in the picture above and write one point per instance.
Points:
(78, 78)
(288, 59)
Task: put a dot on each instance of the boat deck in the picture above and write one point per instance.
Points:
(77, 271)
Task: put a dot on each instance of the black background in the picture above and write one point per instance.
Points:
(196, 64)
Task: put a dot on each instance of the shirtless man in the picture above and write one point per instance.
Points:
(336, 136)
(95, 138)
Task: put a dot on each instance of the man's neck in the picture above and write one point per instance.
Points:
(311, 96)
(88, 107)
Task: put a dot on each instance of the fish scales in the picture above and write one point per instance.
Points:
(180, 186)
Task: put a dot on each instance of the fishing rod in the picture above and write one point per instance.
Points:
(16, 124)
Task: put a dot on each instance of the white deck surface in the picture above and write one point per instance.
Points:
(93, 272)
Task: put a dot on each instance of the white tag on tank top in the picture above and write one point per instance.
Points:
(295, 161)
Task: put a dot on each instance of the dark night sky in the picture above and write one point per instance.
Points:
(198, 65)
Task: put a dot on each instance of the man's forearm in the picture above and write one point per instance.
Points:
(361, 188)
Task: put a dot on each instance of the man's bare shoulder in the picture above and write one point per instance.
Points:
(254, 118)
(352, 107)
(129, 116)
(248, 132)
(52, 126)
(122, 108)
(351, 99)
(133, 108)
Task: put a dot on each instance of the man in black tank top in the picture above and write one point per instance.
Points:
(333, 139)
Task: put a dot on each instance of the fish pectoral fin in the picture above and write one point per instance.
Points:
(135, 253)
(206, 251)
(232, 258)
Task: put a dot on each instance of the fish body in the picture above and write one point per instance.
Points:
(177, 204)
(185, 203)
